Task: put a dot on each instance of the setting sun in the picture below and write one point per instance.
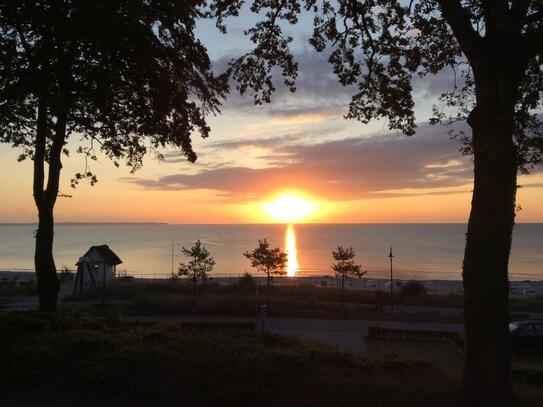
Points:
(289, 208)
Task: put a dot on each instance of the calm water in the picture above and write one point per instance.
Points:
(421, 250)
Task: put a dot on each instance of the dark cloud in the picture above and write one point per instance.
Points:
(204, 160)
(353, 168)
(318, 91)
(433, 86)
(293, 138)
(174, 157)
(270, 142)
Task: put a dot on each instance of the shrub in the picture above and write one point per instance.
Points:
(65, 274)
(413, 289)
(529, 375)
(245, 284)
(375, 332)
(15, 290)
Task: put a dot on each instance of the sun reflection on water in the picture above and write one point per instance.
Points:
(290, 248)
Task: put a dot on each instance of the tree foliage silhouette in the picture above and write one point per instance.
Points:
(494, 50)
(121, 77)
(269, 261)
(345, 268)
(198, 268)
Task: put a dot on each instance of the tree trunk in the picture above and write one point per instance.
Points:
(341, 292)
(268, 289)
(193, 292)
(487, 375)
(46, 272)
(268, 285)
(45, 199)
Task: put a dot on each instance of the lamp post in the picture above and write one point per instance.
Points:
(104, 268)
(391, 256)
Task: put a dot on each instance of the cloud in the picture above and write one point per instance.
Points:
(318, 92)
(433, 86)
(292, 138)
(347, 169)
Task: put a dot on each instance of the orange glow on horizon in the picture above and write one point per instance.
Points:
(289, 208)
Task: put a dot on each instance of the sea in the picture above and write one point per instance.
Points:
(421, 251)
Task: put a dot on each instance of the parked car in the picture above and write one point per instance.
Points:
(397, 284)
(371, 283)
(526, 335)
(429, 285)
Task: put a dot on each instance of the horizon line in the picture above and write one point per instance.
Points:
(251, 224)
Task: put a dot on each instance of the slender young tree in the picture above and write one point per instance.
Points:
(269, 261)
(124, 77)
(198, 268)
(345, 268)
(494, 51)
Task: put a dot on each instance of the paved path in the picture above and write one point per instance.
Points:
(350, 335)
(189, 319)
(356, 327)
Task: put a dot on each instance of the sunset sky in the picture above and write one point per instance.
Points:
(298, 145)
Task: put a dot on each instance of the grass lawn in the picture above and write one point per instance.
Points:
(9, 290)
(72, 361)
(133, 289)
(304, 301)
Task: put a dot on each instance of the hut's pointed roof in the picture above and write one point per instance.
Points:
(109, 255)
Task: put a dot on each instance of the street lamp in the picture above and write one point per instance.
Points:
(391, 256)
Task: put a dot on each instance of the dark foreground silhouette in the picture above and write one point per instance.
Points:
(72, 360)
